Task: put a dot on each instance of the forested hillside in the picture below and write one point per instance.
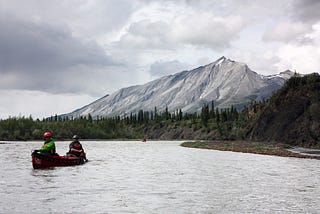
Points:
(292, 115)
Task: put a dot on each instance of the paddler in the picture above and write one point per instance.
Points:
(48, 147)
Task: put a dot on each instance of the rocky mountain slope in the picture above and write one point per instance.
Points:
(226, 82)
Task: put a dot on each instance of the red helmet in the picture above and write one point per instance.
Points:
(47, 134)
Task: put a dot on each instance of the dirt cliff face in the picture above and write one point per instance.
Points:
(292, 115)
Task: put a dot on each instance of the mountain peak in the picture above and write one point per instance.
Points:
(222, 60)
(287, 74)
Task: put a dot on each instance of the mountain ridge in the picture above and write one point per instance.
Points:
(224, 81)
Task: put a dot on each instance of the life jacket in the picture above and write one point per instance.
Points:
(76, 145)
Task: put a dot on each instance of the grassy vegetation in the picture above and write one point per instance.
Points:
(248, 147)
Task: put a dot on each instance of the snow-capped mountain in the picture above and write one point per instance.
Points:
(224, 81)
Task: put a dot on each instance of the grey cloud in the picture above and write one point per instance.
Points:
(86, 18)
(146, 35)
(302, 16)
(203, 30)
(207, 30)
(25, 46)
(161, 68)
(287, 32)
(32, 55)
(306, 10)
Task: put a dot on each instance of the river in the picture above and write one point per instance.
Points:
(157, 177)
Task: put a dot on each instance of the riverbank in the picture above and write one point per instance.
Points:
(250, 147)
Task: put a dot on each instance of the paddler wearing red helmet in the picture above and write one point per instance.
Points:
(48, 146)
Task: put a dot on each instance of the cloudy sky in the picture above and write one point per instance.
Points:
(59, 55)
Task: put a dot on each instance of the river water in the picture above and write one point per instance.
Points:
(157, 177)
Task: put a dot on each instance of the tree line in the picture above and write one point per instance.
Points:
(130, 126)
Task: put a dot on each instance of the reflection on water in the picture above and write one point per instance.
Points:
(157, 177)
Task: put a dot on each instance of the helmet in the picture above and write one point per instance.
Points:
(47, 134)
(75, 137)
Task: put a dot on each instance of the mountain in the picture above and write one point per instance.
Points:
(292, 114)
(226, 82)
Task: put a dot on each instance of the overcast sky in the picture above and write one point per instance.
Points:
(57, 56)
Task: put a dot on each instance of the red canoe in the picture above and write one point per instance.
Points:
(40, 161)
